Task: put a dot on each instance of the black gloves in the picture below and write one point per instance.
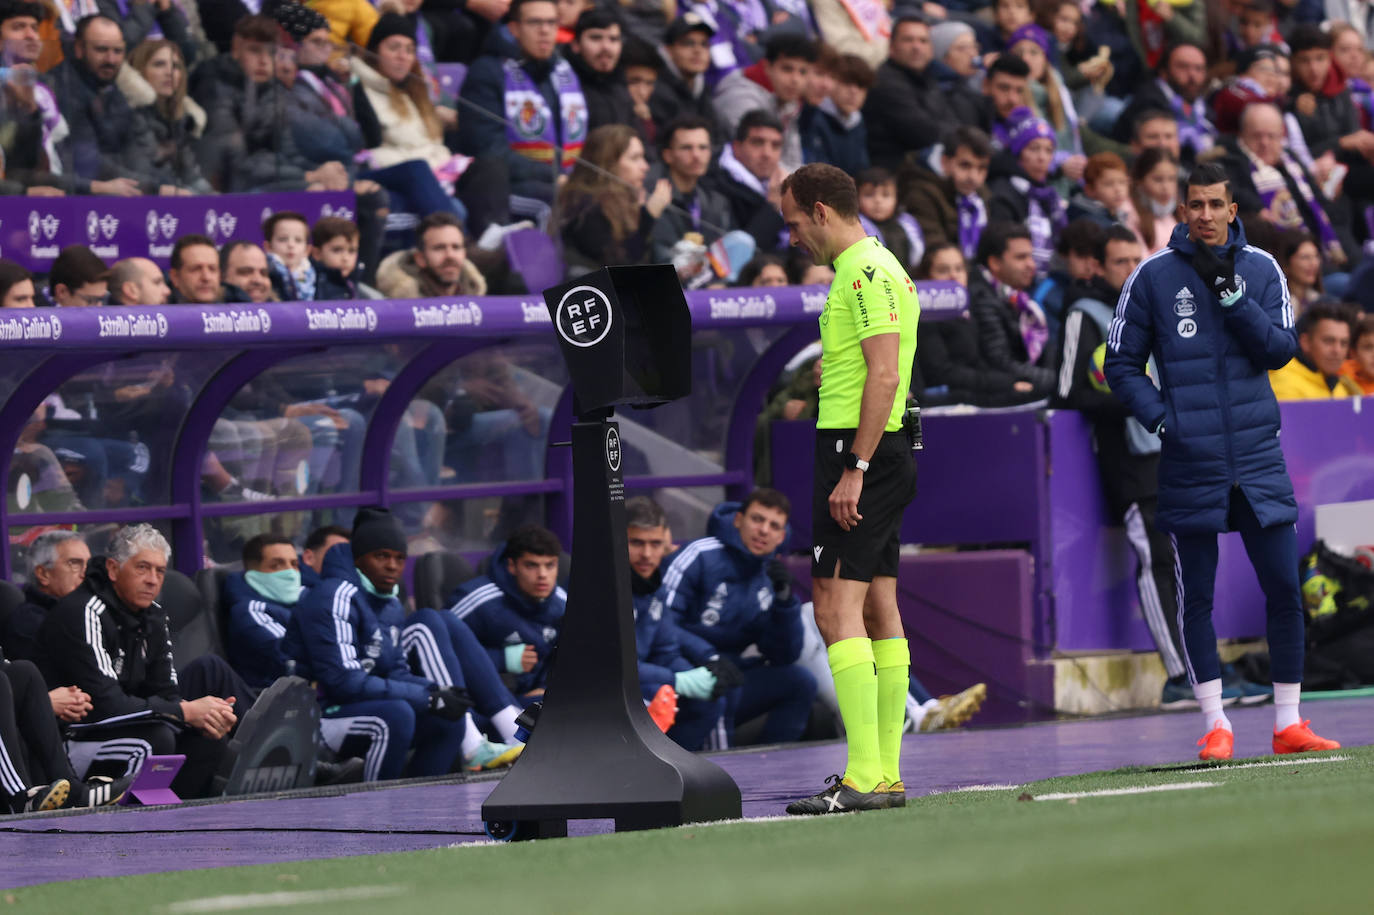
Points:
(1218, 272)
(780, 578)
(727, 675)
(450, 703)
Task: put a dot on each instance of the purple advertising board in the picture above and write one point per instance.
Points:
(34, 229)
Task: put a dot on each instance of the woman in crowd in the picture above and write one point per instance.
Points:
(1154, 190)
(1023, 193)
(603, 213)
(16, 286)
(763, 270)
(1301, 261)
(173, 119)
(1050, 99)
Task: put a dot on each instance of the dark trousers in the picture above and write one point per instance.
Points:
(1155, 582)
(382, 730)
(1273, 551)
(782, 692)
(42, 748)
(442, 648)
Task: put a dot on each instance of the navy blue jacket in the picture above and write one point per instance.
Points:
(256, 629)
(500, 614)
(719, 591)
(350, 641)
(1221, 421)
(661, 647)
(825, 139)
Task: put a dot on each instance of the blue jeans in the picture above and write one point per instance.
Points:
(414, 189)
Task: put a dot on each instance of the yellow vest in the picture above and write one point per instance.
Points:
(1296, 381)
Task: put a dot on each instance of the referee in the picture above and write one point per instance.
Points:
(865, 476)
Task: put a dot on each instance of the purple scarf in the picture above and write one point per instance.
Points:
(1035, 330)
(1193, 127)
(530, 129)
(1046, 216)
(915, 238)
(1278, 200)
(973, 219)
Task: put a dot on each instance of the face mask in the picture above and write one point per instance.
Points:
(1163, 210)
(282, 587)
(372, 589)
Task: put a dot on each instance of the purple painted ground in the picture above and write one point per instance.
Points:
(129, 841)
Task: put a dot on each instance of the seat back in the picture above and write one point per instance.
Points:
(210, 584)
(436, 575)
(451, 76)
(11, 596)
(535, 257)
(194, 625)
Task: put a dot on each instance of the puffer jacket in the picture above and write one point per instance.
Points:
(1221, 421)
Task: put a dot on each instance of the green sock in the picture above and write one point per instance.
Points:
(856, 689)
(892, 658)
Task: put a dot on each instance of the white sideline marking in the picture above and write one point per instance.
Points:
(1137, 789)
(983, 788)
(284, 898)
(1277, 762)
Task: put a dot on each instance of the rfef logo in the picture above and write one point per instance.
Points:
(584, 316)
(613, 449)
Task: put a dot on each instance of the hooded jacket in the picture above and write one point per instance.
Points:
(121, 657)
(500, 614)
(1221, 421)
(661, 647)
(720, 592)
(742, 91)
(256, 629)
(350, 641)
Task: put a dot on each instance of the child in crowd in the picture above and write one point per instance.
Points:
(1254, 25)
(1360, 366)
(334, 255)
(899, 231)
(286, 238)
(1106, 194)
(639, 63)
(833, 131)
(1154, 190)
(1010, 15)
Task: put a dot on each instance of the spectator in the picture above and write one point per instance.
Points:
(944, 263)
(106, 143)
(863, 29)
(906, 99)
(595, 57)
(1106, 195)
(16, 286)
(401, 128)
(1084, 68)
(763, 270)
(350, 21)
(1326, 113)
(194, 272)
(334, 254)
(78, 278)
(438, 265)
(667, 655)
(833, 130)
(750, 178)
(1315, 373)
(1301, 262)
(898, 230)
(1005, 87)
(352, 612)
(1254, 25)
(1352, 60)
(604, 213)
(137, 281)
(1012, 329)
(35, 125)
(1154, 190)
(568, 13)
(681, 86)
(286, 238)
(109, 637)
(820, 82)
(731, 589)
(958, 69)
(1359, 368)
(1008, 16)
(640, 64)
(1269, 183)
(1050, 100)
(695, 207)
(1079, 248)
(1022, 194)
(246, 274)
(1177, 88)
(1257, 80)
(174, 121)
(774, 84)
(1155, 128)
(950, 200)
(549, 123)
(516, 608)
(152, 21)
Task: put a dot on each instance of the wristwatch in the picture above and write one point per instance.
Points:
(852, 462)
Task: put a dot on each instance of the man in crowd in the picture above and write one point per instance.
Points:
(750, 178)
(1178, 89)
(950, 204)
(516, 608)
(998, 297)
(78, 278)
(681, 87)
(244, 267)
(776, 85)
(540, 114)
(730, 589)
(194, 271)
(35, 124)
(595, 57)
(906, 103)
(695, 207)
(1005, 88)
(1155, 128)
(437, 267)
(1222, 468)
(1314, 373)
(138, 281)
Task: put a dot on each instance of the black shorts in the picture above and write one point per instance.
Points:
(871, 547)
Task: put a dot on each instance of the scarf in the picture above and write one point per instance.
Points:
(335, 95)
(870, 17)
(909, 227)
(973, 219)
(1035, 330)
(735, 169)
(1046, 217)
(532, 131)
(1278, 199)
(1194, 129)
(298, 285)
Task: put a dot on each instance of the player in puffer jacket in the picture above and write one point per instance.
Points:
(1214, 314)
(730, 589)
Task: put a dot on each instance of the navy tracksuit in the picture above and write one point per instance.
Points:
(1221, 468)
(664, 650)
(256, 628)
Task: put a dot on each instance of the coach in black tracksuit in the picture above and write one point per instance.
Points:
(1127, 455)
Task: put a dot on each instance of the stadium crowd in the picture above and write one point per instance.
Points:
(1031, 152)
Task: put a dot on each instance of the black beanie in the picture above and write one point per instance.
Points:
(297, 21)
(390, 24)
(376, 529)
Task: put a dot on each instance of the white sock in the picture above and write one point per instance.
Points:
(1286, 705)
(472, 738)
(915, 711)
(504, 721)
(1209, 697)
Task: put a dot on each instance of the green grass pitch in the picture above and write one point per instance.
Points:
(1293, 835)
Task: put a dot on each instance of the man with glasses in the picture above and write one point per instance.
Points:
(78, 278)
(536, 113)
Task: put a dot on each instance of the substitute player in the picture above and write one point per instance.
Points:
(865, 476)
(1215, 315)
